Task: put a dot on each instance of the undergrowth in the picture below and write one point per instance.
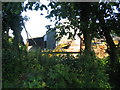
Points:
(34, 70)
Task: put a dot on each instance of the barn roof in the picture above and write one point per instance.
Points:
(39, 41)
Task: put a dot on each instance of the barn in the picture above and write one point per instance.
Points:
(46, 42)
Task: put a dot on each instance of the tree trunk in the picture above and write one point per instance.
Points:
(16, 41)
(87, 41)
(81, 43)
(113, 50)
(84, 26)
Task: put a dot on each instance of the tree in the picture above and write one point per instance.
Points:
(108, 26)
(91, 19)
(78, 16)
(12, 19)
(83, 17)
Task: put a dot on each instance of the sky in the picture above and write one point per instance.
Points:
(36, 24)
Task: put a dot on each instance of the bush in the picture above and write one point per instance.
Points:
(34, 70)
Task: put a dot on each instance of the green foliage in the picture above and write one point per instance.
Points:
(91, 19)
(93, 73)
(34, 70)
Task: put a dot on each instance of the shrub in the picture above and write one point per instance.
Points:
(34, 70)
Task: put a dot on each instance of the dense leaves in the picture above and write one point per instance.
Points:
(90, 19)
(34, 70)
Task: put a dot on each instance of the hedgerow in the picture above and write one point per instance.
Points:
(34, 70)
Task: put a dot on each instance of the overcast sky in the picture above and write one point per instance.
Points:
(36, 24)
